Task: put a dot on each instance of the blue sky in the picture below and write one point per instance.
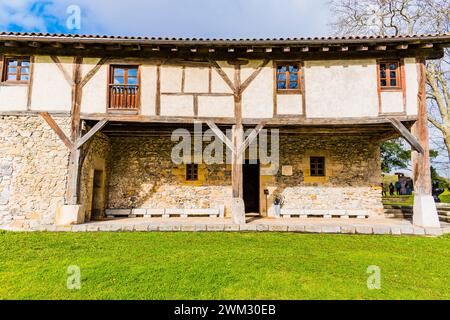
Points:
(172, 18)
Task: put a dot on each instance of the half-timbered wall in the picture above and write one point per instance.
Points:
(331, 89)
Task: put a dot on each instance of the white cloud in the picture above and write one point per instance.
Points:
(179, 18)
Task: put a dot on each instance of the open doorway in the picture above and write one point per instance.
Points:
(98, 195)
(251, 187)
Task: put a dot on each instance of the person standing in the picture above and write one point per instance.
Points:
(398, 186)
(391, 189)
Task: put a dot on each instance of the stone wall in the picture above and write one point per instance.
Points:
(352, 180)
(142, 168)
(33, 170)
(97, 155)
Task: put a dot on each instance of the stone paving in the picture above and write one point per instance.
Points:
(378, 226)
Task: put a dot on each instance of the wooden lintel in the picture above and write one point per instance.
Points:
(407, 135)
(54, 126)
(220, 135)
(99, 126)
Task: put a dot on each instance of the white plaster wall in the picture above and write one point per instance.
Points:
(257, 99)
(391, 101)
(218, 85)
(196, 79)
(227, 68)
(95, 91)
(209, 106)
(177, 105)
(51, 91)
(289, 104)
(148, 90)
(171, 79)
(248, 69)
(336, 89)
(412, 86)
(13, 98)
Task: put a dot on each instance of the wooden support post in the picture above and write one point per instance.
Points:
(73, 188)
(425, 213)
(237, 163)
(54, 126)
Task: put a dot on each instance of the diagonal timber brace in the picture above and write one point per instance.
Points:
(407, 135)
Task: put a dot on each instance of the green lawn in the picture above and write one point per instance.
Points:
(445, 197)
(222, 266)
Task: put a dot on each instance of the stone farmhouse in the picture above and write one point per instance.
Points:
(87, 126)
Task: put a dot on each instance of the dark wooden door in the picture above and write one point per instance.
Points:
(251, 187)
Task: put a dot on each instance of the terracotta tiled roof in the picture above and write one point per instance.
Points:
(355, 39)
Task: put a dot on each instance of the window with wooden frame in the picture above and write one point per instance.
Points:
(124, 87)
(16, 70)
(288, 77)
(317, 166)
(192, 172)
(390, 75)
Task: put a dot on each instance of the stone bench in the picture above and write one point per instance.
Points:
(327, 214)
(167, 213)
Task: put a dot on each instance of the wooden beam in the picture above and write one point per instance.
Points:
(220, 135)
(54, 126)
(222, 74)
(93, 72)
(401, 47)
(99, 126)
(62, 69)
(409, 137)
(252, 77)
(252, 136)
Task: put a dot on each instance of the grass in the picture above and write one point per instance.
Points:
(222, 266)
(445, 197)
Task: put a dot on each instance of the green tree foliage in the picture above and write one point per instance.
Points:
(394, 156)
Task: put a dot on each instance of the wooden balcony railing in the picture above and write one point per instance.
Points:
(124, 97)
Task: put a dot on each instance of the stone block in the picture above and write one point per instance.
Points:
(139, 212)
(238, 211)
(407, 230)
(364, 230)
(188, 228)
(154, 212)
(425, 213)
(262, 227)
(215, 227)
(118, 212)
(313, 229)
(176, 227)
(200, 227)
(396, 231)
(92, 228)
(247, 227)
(381, 230)
(231, 227)
(79, 228)
(348, 229)
(278, 228)
(296, 228)
(331, 229)
(165, 228)
(418, 231)
(435, 232)
(69, 214)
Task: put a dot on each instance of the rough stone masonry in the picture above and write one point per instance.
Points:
(138, 172)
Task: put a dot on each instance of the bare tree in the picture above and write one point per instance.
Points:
(404, 17)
